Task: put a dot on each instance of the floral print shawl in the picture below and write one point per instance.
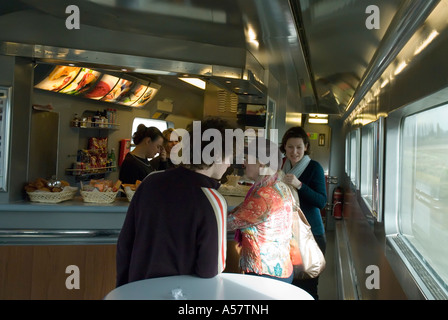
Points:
(265, 219)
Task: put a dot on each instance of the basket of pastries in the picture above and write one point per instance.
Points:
(50, 191)
(100, 191)
(130, 189)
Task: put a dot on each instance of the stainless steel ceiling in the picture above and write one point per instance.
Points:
(340, 45)
(319, 49)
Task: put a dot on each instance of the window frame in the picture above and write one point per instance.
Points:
(375, 182)
(354, 167)
(368, 161)
(411, 260)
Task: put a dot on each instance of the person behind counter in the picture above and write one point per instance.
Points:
(163, 160)
(308, 177)
(136, 166)
(264, 219)
(184, 234)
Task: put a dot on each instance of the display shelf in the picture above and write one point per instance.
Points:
(78, 172)
(94, 125)
(85, 175)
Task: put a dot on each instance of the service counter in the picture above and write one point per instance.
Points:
(72, 221)
(68, 222)
(39, 241)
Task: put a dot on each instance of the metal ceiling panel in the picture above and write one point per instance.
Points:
(340, 45)
(247, 40)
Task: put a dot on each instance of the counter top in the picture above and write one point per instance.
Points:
(120, 205)
(69, 221)
(75, 205)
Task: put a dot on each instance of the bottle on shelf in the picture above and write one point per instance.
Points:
(113, 160)
(110, 117)
(83, 123)
(103, 120)
(89, 122)
(114, 116)
(96, 119)
(76, 121)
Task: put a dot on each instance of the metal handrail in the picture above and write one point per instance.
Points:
(58, 233)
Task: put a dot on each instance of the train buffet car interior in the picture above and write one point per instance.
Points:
(367, 79)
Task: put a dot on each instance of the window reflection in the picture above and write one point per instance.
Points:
(423, 192)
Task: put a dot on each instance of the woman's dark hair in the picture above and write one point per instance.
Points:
(142, 132)
(296, 132)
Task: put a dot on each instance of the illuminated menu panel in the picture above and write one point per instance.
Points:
(106, 84)
(134, 95)
(120, 90)
(146, 97)
(95, 85)
(85, 79)
(59, 78)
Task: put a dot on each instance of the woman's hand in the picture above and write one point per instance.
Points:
(292, 180)
(162, 153)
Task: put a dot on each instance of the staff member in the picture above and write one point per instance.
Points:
(163, 161)
(136, 166)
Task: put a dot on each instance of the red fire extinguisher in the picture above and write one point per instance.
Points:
(338, 200)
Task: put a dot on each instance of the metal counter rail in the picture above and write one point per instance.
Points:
(21, 233)
(58, 236)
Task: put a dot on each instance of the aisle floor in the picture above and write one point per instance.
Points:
(327, 288)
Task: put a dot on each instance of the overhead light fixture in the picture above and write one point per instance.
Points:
(385, 83)
(252, 37)
(400, 68)
(195, 82)
(153, 71)
(426, 43)
(317, 118)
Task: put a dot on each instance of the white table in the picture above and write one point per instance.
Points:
(226, 286)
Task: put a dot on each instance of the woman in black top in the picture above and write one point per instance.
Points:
(163, 161)
(136, 166)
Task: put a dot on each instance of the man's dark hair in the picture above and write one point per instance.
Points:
(208, 123)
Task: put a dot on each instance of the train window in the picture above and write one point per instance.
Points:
(159, 124)
(367, 163)
(372, 153)
(423, 191)
(347, 154)
(354, 157)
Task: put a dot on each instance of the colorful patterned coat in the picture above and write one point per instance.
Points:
(265, 219)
